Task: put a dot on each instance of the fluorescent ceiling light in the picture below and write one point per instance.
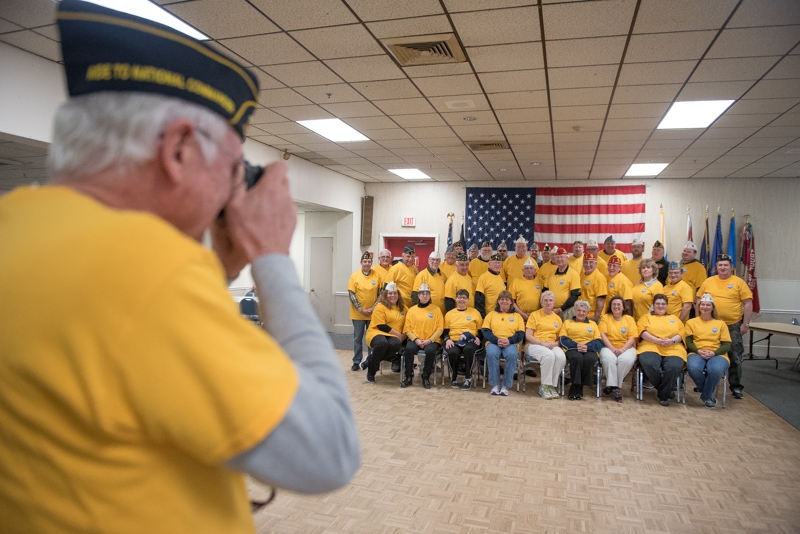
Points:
(697, 114)
(646, 169)
(150, 11)
(333, 130)
(410, 174)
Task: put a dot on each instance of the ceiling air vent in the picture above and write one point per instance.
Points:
(483, 146)
(425, 49)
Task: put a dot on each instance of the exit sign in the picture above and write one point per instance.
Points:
(409, 221)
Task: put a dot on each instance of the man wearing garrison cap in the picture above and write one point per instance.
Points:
(609, 249)
(448, 266)
(480, 265)
(363, 289)
(694, 273)
(403, 273)
(473, 251)
(489, 286)
(137, 408)
(460, 279)
(630, 268)
(512, 265)
(661, 261)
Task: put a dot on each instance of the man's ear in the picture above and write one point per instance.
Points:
(176, 150)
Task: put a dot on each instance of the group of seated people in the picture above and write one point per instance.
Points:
(553, 317)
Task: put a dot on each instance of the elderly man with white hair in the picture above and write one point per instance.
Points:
(432, 277)
(594, 248)
(694, 272)
(512, 265)
(138, 395)
(384, 263)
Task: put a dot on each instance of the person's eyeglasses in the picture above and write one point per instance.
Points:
(659, 304)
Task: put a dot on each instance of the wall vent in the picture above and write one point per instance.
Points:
(425, 49)
(483, 146)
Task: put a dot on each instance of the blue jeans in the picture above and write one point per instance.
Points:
(359, 329)
(716, 366)
(493, 355)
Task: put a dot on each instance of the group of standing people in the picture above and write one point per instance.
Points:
(591, 307)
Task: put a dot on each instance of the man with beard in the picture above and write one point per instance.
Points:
(663, 264)
(460, 279)
(480, 265)
(694, 272)
(449, 264)
(489, 286)
(630, 268)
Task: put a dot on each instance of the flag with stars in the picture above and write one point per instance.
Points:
(496, 214)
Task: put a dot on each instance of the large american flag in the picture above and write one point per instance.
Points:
(567, 214)
(555, 215)
(497, 214)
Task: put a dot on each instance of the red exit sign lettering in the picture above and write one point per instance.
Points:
(409, 221)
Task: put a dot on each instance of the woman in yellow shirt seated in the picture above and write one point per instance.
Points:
(618, 333)
(385, 333)
(661, 348)
(709, 341)
(580, 339)
(503, 329)
(541, 333)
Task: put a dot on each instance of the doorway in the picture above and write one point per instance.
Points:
(423, 246)
(321, 280)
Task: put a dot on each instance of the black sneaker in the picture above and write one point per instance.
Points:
(364, 364)
(737, 393)
(426, 382)
(454, 384)
(406, 381)
(395, 367)
(370, 378)
(531, 373)
(664, 403)
(467, 384)
(356, 367)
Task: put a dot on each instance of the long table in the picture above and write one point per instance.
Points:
(780, 329)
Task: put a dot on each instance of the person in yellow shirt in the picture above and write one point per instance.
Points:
(385, 333)
(630, 268)
(480, 264)
(594, 248)
(678, 292)
(503, 329)
(548, 265)
(618, 333)
(502, 250)
(489, 286)
(733, 301)
(661, 351)
(708, 341)
(462, 325)
(362, 288)
(423, 327)
(541, 334)
(618, 284)
(609, 249)
(594, 286)
(384, 263)
(403, 273)
(646, 288)
(565, 283)
(512, 266)
(434, 279)
(460, 279)
(448, 266)
(580, 338)
(535, 254)
(576, 259)
(472, 251)
(694, 272)
(527, 291)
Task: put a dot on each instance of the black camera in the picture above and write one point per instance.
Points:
(252, 174)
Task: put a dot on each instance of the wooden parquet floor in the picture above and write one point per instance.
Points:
(450, 461)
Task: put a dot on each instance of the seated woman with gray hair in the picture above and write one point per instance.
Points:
(580, 339)
(541, 333)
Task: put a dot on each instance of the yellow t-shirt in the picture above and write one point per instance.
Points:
(447, 269)
(618, 332)
(460, 321)
(576, 264)
(404, 277)
(694, 274)
(618, 253)
(424, 322)
(708, 335)
(436, 284)
(678, 295)
(580, 332)
(527, 294)
(512, 268)
(490, 285)
(504, 325)
(619, 285)
(630, 269)
(643, 297)
(129, 376)
(366, 288)
(383, 315)
(545, 327)
(545, 271)
(457, 282)
(382, 272)
(593, 286)
(562, 285)
(662, 326)
(728, 296)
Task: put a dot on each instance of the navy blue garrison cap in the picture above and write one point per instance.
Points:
(106, 50)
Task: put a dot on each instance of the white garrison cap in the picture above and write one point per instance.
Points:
(391, 286)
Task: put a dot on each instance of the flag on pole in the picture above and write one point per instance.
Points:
(567, 214)
(663, 230)
(704, 249)
(732, 241)
(461, 236)
(717, 250)
(749, 263)
(689, 236)
(450, 233)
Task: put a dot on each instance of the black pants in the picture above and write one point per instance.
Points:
(383, 348)
(430, 358)
(455, 353)
(653, 365)
(580, 366)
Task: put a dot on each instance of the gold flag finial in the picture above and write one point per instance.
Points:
(451, 216)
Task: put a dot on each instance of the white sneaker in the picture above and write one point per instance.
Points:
(504, 391)
(495, 390)
(543, 392)
(553, 392)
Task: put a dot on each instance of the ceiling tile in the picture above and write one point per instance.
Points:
(668, 46)
(608, 144)
(272, 98)
(628, 135)
(369, 10)
(522, 56)
(767, 105)
(443, 132)
(634, 94)
(567, 113)
(774, 89)
(405, 106)
(580, 52)
(748, 42)
(302, 74)
(788, 67)
(330, 94)
(656, 73)
(594, 76)
(28, 13)
(743, 121)
(34, 43)
(265, 81)
(352, 40)
(481, 117)
(526, 128)
(387, 90)
(483, 132)
(514, 25)
(6, 26)
(410, 27)
(298, 14)
(269, 49)
(303, 113)
(580, 97)
(682, 15)
(363, 69)
(220, 19)
(630, 111)
(716, 132)
(508, 116)
(371, 123)
(714, 91)
(460, 103)
(353, 109)
(766, 13)
(518, 99)
(261, 116)
(51, 32)
(426, 119)
(521, 80)
(581, 125)
(388, 134)
(723, 70)
(280, 128)
(448, 85)
(587, 19)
